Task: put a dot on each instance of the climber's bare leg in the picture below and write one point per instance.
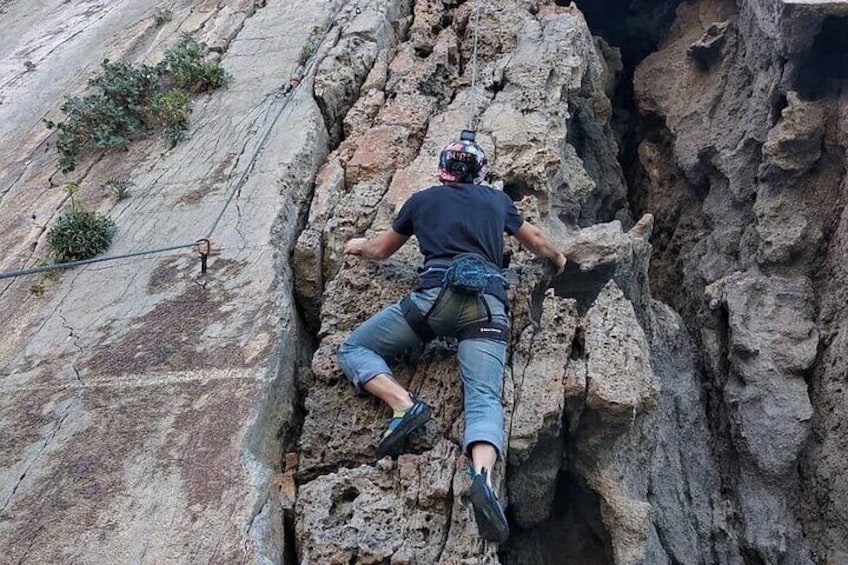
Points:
(389, 391)
(484, 456)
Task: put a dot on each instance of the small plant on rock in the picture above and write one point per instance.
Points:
(37, 288)
(120, 188)
(161, 17)
(80, 234)
(185, 64)
(306, 52)
(312, 44)
(171, 110)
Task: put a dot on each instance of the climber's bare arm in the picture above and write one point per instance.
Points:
(381, 246)
(534, 239)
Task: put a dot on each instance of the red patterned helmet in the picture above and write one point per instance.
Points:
(462, 161)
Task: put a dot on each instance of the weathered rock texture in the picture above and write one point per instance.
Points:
(745, 169)
(140, 411)
(591, 355)
(145, 415)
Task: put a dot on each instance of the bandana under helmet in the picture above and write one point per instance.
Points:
(462, 161)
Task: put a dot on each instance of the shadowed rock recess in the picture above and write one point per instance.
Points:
(675, 396)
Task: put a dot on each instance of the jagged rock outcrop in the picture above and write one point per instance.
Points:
(745, 169)
(582, 390)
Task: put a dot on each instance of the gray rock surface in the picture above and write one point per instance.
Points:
(150, 415)
(140, 411)
(414, 103)
(539, 360)
(748, 193)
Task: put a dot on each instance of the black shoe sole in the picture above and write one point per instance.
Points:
(393, 444)
(491, 521)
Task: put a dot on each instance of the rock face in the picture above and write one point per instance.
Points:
(590, 355)
(140, 410)
(675, 396)
(746, 173)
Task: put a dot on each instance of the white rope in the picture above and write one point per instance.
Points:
(472, 110)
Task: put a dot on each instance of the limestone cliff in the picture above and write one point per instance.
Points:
(744, 164)
(675, 396)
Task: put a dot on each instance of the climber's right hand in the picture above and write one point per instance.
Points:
(559, 262)
(355, 246)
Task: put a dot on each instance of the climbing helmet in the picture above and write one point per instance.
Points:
(462, 161)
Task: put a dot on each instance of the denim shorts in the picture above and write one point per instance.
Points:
(365, 354)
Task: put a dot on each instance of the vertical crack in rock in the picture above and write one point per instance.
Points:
(75, 339)
(239, 229)
(36, 458)
(537, 440)
(518, 368)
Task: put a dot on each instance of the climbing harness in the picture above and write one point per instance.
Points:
(468, 275)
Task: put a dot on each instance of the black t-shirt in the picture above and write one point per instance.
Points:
(459, 218)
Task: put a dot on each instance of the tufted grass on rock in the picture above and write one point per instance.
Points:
(171, 110)
(161, 17)
(187, 67)
(128, 101)
(120, 188)
(80, 234)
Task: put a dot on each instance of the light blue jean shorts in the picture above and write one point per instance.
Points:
(387, 334)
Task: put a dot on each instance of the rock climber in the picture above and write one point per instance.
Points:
(461, 293)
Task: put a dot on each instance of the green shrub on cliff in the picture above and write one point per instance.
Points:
(127, 101)
(186, 66)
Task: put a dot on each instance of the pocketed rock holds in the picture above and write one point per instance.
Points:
(708, 49)
(794, 144)
(523, 129)
(149, 413)
(376, 514)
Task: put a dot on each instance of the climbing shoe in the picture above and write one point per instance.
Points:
(491, 520)
(402, 424)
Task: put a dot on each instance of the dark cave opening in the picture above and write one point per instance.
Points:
(636, 27)
(517, 188)
(572, 535)
(823, 71)
(582, 286)
(574, 532)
